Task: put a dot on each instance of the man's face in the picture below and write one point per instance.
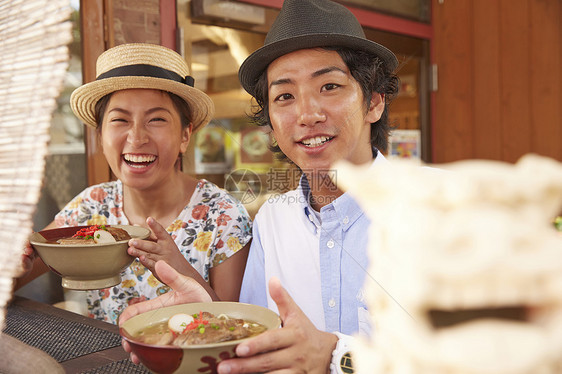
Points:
(317, 110)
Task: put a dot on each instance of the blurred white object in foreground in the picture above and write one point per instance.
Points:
(465, 271)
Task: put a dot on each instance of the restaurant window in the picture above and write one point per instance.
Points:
(409, 111)
(216, 36)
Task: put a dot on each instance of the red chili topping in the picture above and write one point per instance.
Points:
(198, 322)
(88, 231)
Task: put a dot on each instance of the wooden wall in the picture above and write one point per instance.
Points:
(134, 21)
(499, 79)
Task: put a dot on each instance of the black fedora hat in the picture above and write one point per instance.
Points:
(305, 24)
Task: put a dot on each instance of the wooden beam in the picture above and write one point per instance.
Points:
(168, 24)
(92, 30)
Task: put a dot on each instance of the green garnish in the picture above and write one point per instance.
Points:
(558, 223)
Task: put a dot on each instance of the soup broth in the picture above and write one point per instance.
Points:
(205, 329)
(96, 234)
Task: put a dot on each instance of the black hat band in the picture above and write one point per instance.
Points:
(144, 70)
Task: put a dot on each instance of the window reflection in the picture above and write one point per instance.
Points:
(230, 147)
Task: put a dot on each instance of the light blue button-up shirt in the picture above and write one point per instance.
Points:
(320, 258)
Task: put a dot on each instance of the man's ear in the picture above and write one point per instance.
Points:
(376, 108)
(185, 137)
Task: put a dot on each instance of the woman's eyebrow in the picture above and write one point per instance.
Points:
(117, 109)
(157, 109)
(148, 111)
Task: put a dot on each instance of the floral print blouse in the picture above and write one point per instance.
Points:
(210, 229)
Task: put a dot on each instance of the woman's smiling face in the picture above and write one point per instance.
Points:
(317, 110)
(142, 137)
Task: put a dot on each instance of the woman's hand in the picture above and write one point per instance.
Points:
(184, 290)
(159, 246)
(31, 266)
(27, 258)
(297, 347)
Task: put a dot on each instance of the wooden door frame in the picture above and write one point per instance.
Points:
(93, 35)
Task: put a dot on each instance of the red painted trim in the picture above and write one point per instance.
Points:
(432, 95)
(168, 23)
(371, 19)
(392, 24)
(266, 3)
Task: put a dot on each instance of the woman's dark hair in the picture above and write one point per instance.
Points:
(180, 104)
(371, 74)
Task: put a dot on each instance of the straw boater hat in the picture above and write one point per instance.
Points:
(141, 65)
(305, 24)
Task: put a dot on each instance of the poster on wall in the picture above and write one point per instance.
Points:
(253, 150)
(211, 153)
(405, 144)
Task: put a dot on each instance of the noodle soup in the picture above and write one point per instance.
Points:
(197, 357)
(183, 330)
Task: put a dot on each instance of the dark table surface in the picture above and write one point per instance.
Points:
(78, 343)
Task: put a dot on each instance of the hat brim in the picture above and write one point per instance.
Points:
(84, 99)
(258, 61)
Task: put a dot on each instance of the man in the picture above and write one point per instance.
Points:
(322, 88)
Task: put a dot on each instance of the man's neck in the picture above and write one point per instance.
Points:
(323, 191)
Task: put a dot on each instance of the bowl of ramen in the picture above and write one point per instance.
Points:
(87, 257)
(195, 337)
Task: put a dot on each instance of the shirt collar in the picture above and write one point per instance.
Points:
(346, 208)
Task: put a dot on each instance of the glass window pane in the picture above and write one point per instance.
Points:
(409, 112)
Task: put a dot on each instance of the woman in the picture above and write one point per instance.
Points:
(145, 110)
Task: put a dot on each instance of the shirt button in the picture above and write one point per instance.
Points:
(332, 303)
(346, 220)
(310, 218)
(330, 243)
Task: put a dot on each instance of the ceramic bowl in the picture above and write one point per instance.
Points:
(197, 358)
(85, 266)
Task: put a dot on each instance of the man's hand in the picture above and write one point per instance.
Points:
(184, 290)
(297, 347)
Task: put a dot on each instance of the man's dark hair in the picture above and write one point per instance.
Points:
(371, 74)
